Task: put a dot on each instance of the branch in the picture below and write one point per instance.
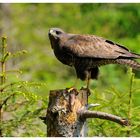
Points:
(12, 107)
(5, 101)
(84, 114)
(11, 84)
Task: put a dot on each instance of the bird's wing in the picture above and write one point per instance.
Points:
(95, 47)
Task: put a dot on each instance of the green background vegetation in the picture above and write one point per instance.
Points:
(27, 25)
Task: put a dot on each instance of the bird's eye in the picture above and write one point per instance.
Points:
(58, 32)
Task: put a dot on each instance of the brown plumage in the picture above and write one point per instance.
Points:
(87, 52)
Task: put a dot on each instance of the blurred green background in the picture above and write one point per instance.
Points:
(27, 25)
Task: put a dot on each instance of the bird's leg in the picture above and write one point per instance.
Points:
(88, 82)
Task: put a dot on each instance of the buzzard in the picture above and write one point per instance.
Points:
(87, 52)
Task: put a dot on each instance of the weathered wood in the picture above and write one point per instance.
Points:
(67, 113)
(62, 117)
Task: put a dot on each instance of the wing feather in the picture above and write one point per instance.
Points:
(96, 47)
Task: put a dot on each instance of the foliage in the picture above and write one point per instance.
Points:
(26, 26)
(121, 103)
(19, 106)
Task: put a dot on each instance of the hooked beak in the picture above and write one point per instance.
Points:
(52, 33)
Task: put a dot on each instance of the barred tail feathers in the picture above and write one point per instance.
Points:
(129, 62)
(135, 55)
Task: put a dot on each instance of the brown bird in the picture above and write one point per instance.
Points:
(87, 52)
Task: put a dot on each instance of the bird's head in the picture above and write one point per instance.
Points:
(55, 33)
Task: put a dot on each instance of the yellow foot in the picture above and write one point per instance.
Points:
(72, 89)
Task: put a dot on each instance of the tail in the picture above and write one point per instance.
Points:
(135, 56)
(129, 62)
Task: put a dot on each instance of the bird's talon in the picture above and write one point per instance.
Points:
(71, 89)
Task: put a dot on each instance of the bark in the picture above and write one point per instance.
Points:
(85, 114)
(62, 117)
(67, 113)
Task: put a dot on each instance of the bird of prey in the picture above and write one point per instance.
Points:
(87, 52)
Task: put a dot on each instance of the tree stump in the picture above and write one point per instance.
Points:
(67, 113)
(63, 119)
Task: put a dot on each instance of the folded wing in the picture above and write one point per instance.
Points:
(96, 47)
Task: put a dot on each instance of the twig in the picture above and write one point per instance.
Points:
(3, 73)
(11, 84)
(5, 101)
(12, 107)
(84, 114)
(130, 101)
